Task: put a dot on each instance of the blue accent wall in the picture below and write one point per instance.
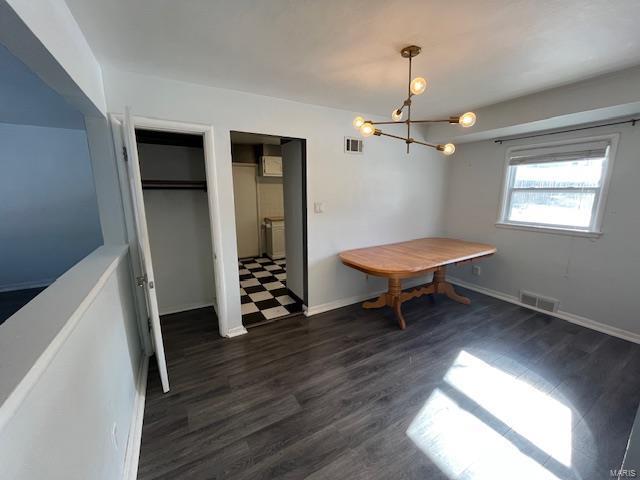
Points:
(48, 208)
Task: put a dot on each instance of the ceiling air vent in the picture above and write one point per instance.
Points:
(538, 301)
(352, 145)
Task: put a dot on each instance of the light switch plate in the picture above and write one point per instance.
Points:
(318, 207)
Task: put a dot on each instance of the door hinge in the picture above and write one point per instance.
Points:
(141, 280)
(125, 155)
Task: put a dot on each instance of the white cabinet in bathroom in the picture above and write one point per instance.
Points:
(275, 237)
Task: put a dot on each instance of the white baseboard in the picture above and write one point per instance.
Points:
(27, 285)
(569, 317)
(184, 307)
(235, 332)
(132, 456)
(343, 302)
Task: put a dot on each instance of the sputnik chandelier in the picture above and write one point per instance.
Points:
(416, 86)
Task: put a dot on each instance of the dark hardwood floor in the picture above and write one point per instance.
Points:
(11, 302)
(487, 391)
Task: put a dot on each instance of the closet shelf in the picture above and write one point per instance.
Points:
(174, 184)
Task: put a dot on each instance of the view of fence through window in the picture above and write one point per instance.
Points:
(562, 193)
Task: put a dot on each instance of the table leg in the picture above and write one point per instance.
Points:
(442, 286)
(380, 302)
(394, 296)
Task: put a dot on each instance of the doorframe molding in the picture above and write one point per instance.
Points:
(211, 173)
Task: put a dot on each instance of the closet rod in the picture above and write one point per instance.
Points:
(632, 121)
(174, 185)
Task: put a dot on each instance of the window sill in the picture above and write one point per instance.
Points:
(556, 231)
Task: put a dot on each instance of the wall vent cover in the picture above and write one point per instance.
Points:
(538, 301)
(528, 298)
(353, 145)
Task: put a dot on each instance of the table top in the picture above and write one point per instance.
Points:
(410, 258)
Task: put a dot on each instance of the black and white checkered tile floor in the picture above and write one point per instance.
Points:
(263, 292)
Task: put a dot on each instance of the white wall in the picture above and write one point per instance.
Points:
(593, 100)
(179, 229)
(368, 198)
(69, 418)
(181, 250)
(47, 204)
(162, 162)
(593, 278)
(270, 204)
(270, 197)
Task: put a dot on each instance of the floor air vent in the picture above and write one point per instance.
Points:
(538, 301)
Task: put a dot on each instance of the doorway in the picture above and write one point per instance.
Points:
(190, 181)
(174, 187)
(269, 179)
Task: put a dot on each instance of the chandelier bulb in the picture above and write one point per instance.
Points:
(468, 119)
(418, 85)
(367, 129)
(447, 149)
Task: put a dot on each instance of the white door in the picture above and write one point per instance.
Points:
(245, 195)
(294, 204)
(148, 281)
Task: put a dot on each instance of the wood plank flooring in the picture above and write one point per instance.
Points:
(11, 302)
(486, 391)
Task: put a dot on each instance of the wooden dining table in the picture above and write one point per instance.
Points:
(398, 261)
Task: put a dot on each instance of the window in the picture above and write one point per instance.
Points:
(557, 187)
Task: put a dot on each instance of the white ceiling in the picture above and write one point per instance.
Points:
(344, 53)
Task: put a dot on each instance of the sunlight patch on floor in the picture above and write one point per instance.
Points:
(535, 415)
(452, 427)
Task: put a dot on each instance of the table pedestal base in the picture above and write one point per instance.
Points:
(394, 297)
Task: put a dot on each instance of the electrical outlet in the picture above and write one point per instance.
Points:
(475, 270)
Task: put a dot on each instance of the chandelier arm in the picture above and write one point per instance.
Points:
(367, 127)
(387, 123)
(406, 140)
(406, 121)
(426, 144)
(431, 121)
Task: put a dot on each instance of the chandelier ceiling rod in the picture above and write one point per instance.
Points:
(408, 102)
(415, 87)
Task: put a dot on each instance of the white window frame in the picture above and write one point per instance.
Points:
(595, 227)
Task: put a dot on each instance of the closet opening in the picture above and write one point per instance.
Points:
(176, 204)
(270, 197)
